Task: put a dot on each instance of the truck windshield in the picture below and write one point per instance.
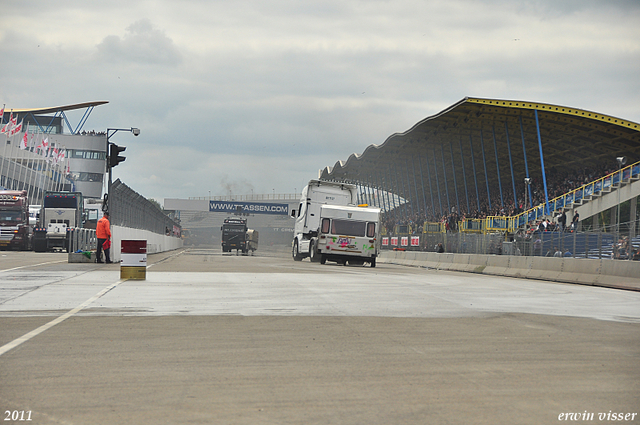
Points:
(60, 202)
(9, 215)
(347, 228)
(232, 229)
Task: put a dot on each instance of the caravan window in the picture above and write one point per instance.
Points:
(371, 230)
(347, 228)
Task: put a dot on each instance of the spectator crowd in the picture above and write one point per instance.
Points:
(559, 182)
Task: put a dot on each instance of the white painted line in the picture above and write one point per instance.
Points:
(33, 265)
(16, 342)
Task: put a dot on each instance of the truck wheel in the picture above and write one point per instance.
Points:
(296, 252)
(314, 255)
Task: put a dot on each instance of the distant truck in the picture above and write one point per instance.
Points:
(307, 226)
(15, 232)
(348, 235)
(61, 212)
(236, 235)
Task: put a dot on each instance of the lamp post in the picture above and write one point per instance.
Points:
(110, 161)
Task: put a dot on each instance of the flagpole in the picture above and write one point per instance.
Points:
(31, 167)
(52, 166)
(26, 134)
(4, 149)
(57, 164)
(11, 160)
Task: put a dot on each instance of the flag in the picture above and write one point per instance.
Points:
(44, 146)
(62, 154)
(16, 129)
(2, 115)
(53, 153)
(25, 145)
(7, 127)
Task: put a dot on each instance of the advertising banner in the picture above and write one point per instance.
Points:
(249, 207)
(415, 240)
(404, 241)
(385, 241)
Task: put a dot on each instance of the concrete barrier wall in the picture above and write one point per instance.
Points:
(155, 242)
(604, 272)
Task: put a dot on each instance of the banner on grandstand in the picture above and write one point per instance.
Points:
(249, 207)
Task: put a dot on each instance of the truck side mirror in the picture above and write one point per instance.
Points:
(293, 213)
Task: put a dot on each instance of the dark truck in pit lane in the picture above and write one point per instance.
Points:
(236, 235)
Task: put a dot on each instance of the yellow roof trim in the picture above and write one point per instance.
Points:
(557, 109)
(57, 108)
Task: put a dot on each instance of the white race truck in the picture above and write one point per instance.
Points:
(342, 197)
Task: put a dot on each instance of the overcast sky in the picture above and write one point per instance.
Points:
(246, 97)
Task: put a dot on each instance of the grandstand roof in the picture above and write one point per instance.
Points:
(59, 108)
(571, 138)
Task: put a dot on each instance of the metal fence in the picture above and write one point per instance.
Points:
(592, 244)
(82, 239)
(130, 209)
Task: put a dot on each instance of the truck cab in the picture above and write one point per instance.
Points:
(316, 194)
(61, 212)
(234, 235)
(15, 231)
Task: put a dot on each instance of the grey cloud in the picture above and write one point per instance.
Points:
(141, 44)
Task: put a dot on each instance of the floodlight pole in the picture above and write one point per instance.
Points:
(527, 183)
(621, 161)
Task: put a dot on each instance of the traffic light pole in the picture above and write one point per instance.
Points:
(110, 164)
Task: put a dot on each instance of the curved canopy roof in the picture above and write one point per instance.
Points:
(570, 136)
(494, 136)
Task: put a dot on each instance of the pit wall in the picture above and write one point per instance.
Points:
(618, 274)
(155, 242)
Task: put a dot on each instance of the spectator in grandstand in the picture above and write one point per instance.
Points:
(574, 222)
(562, 221)
(537, 247)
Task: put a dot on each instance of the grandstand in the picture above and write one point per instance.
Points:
(489, 165)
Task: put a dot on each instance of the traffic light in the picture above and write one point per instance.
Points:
(114, 151)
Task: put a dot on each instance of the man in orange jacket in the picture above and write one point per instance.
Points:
(103, 234)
